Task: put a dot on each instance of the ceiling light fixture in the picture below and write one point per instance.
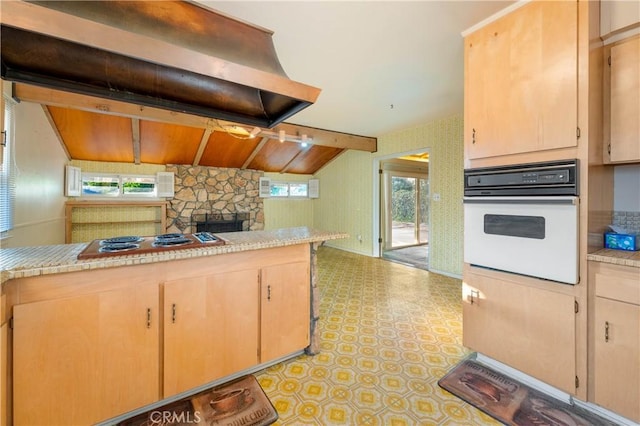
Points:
(240, 132)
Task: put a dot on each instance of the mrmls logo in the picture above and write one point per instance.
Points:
(171, 417)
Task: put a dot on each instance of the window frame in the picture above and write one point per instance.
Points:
(120, 181)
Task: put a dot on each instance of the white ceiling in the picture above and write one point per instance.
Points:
(382, 66)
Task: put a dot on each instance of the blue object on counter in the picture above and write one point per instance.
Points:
(627, 242)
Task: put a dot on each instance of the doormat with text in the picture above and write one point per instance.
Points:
(512, 402)
(239, 402)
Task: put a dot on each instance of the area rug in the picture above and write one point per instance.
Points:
(238, 402)
(512, 402)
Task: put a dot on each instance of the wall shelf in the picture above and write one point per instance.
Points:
(89, 220)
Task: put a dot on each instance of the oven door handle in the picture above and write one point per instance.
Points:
(560, 201)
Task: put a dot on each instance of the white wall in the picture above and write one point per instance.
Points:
(39, 209)
(626, 188)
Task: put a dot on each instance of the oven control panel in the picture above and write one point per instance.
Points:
(550, 178)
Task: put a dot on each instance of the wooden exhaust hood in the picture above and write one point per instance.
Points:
(173, 55)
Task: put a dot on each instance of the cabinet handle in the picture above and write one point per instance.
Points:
(606, 331)
(473, 136)
(269, 292)
(173, 313)
(148, 317)
(472, 296)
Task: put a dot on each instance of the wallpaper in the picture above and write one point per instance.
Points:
(346, 200)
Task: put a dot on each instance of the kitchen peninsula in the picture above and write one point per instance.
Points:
(92, 339)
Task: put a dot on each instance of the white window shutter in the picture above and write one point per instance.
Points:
(314, 188)
(164, 182)
(265, 187)
(73, 181)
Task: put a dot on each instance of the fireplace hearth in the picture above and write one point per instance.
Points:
(220, 222)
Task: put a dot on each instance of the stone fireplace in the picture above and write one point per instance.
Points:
(214, 194)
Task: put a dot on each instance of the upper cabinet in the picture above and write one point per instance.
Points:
(521, 82)
(624, 107)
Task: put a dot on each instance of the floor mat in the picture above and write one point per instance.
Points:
(239, 402)
(512, 402)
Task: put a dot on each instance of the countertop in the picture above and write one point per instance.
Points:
(56, 259)
(617, 257)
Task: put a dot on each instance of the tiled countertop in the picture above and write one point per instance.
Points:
(42, 260)
(618, 257)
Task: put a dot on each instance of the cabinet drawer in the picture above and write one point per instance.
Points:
(617, 282)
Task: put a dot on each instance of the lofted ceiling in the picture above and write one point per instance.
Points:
(122, 132)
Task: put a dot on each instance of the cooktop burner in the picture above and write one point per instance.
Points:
(121, 240)
(116, 247)
(170, 242)
(173, 236)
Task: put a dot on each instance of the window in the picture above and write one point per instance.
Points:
(139, 186)
(7, 169)
(298, 189)
(279, 189)
(289, 189)
(126, 186)
(100, 185)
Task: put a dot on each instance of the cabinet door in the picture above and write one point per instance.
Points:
(87, 358)
(617, 357)
(211, 328)
(530, 329)
(625, 107)
(285, 310)
(521, 82)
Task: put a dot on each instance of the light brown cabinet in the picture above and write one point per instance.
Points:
(616, 336)
(624, 111)
(521, 82)
(528, 328)
(284, 310)
(94, 344)
(83, 359)
(210, 328)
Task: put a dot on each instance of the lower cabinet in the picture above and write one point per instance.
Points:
(285, 310)
(92, 345)
(83, 359)
(528, 328)
(219, 324)
(616, 335)
(210, 328)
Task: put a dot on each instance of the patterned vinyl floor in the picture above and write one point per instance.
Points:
(389, 332)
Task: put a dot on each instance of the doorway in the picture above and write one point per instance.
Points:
(404, 210)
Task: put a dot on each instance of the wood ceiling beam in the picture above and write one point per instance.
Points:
(52, 123)
(203, 144)
(292, 161)
(59, 98)
(135, 139)
(30, 93)
(330, 138)
(255, 152)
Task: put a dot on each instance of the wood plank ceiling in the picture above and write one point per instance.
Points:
(96, 129)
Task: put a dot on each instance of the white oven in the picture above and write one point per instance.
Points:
(524, 219)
